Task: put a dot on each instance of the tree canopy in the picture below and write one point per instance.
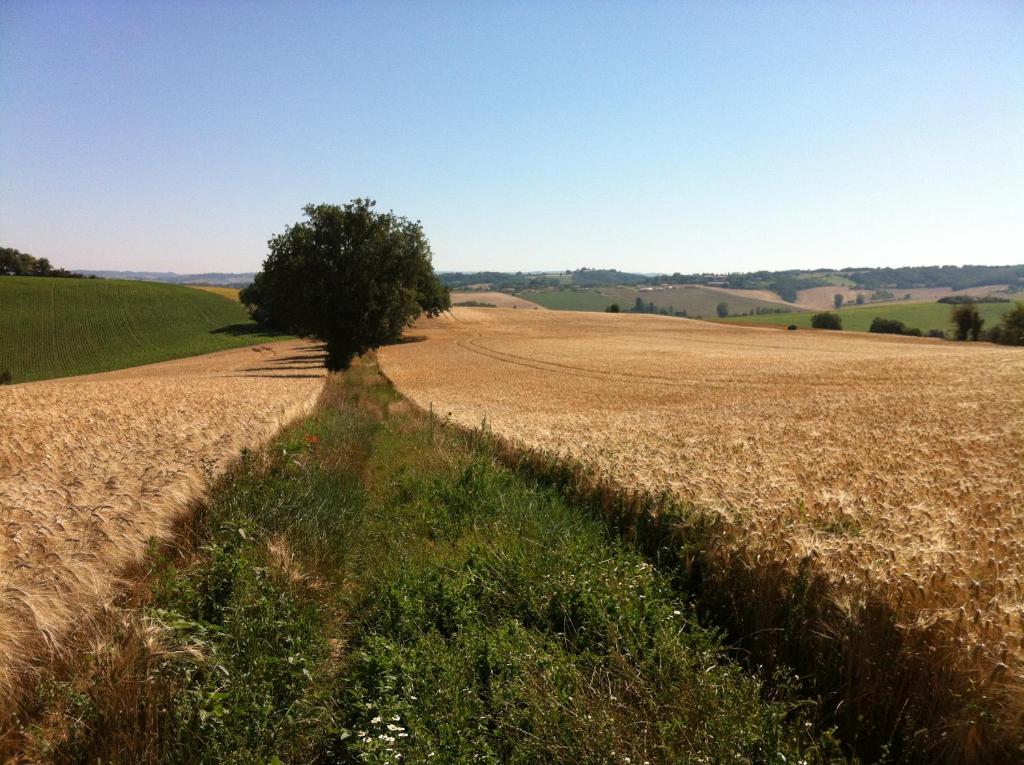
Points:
(1013, 325)
(827, 320)
(968, 322)
(348, 275)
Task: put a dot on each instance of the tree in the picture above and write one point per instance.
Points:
(347, 275)
(968, 321)
(827, 320)
(14, 262)
(638, 306)
(860, 298)
(837, 300)
(1013, 326)
(723, 310)
(613, 308)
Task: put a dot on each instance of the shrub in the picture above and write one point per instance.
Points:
(826, 320)
(613, 308)
(791, 327)
(939, 333)
(723, 310)
(888, 326)
(994, 335)
(5, 377)
(837, 300)
(914, 332)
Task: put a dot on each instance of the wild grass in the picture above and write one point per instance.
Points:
(62, 327)
(377, 587)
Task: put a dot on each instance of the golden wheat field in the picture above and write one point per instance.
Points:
(93, 467)
(231, 293)
(498, 299)
(894, 464)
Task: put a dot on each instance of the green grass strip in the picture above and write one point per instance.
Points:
(376, 588)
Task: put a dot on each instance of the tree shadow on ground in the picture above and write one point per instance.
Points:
(282, 376)
(250, 328)
(407, 339)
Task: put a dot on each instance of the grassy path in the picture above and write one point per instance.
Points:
(375, 587)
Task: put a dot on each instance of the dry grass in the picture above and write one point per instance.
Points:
(93, 467)
(890, 468)
(498, 299)
(231, 293)
(765, 295)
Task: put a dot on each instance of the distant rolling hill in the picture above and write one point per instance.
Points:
(52, 327)
(695, 300)
(215, 279)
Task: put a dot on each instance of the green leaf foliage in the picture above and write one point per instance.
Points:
(348, 275)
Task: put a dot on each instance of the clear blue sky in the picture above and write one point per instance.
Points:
(644, 136)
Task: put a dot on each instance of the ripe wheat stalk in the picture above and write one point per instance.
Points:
(888, 470)
(92, 468)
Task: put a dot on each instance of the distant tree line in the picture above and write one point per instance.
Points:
(16, 263)
(784, 283)
(954, 277)
(496, 280)
(968, 299)
(605, 277)
(883, 280)
(582, 277)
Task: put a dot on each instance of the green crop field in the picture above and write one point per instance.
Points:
(53, 327)
(924, 316)
(569, 300)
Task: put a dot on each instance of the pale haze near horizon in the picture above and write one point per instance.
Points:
(647, 137)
